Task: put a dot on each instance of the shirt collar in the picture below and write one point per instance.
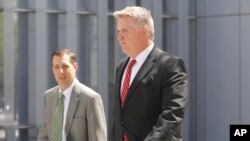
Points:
(67, 92)
(143, 55)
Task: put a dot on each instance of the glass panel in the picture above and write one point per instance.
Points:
(2, 132)
(62, 30)
(52, 42)
(111, 67)
(170, 7)
(22, 3)
(83, 54)
(9, 33)
(191, 10)
(192, 49)
(111, 50)
(6, 51)
(15, 101)
(87, 5)
(21, 74)
(1, 5)
(138, 2)
(62, 4)
(192, 35)
(87, 46)
(1, 64)
(52, 4)
(165, 9)
(111, 5)
(165, 34)
(170, 35)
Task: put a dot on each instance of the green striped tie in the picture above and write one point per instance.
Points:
(57, 125)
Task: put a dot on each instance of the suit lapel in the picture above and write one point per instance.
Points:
(143, 71)
(54, 101)
(74, 99)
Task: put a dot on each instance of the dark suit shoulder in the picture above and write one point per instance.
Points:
(169, 61)
(165, 55)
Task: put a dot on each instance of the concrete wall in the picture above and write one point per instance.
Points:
(223, 33)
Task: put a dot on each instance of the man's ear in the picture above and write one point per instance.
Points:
(143, 31)
(75, 66)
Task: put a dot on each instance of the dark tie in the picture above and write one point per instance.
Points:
(57, 125)
(125, 88)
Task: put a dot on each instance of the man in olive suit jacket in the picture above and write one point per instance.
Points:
(84, 118)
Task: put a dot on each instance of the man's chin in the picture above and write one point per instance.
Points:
(61, 83)
(123, 50)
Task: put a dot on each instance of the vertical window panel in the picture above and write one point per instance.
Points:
(22, 4)
(52, 43)
(192, 85)
(87, 5)
(138, 2)
(21, 61)
(1, 64)
(111, 51)
(2, 102)
(170, 35)
(62, 31)
(52, 4)
(166, 7)
(111, 5)
(10, 20)
(111, 67)
(87, 50)
(83, 46)
(32, 4)
(193, 71)
(191, 9)
(170, 7)
(166, 35)
(94, 66)
(21, 73)
(61, 4)
(1, 4)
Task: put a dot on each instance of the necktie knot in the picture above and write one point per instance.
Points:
(61, 96)
(131, 63)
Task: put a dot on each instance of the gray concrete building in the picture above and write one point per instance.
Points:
(212, 37)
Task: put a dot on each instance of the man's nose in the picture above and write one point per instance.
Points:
(61, 70)
(120, 36)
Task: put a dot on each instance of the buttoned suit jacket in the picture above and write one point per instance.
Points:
(155, 104)
(85, 119)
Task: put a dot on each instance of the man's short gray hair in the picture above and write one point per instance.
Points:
(140, 15)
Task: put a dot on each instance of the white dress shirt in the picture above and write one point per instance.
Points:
(140, 59)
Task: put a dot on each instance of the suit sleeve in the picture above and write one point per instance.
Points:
(43, 132)
(97, 128)
(174, 99)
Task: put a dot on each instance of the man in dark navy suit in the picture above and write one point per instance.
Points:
(150, 85)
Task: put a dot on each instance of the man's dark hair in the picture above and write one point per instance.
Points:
(64, 51)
